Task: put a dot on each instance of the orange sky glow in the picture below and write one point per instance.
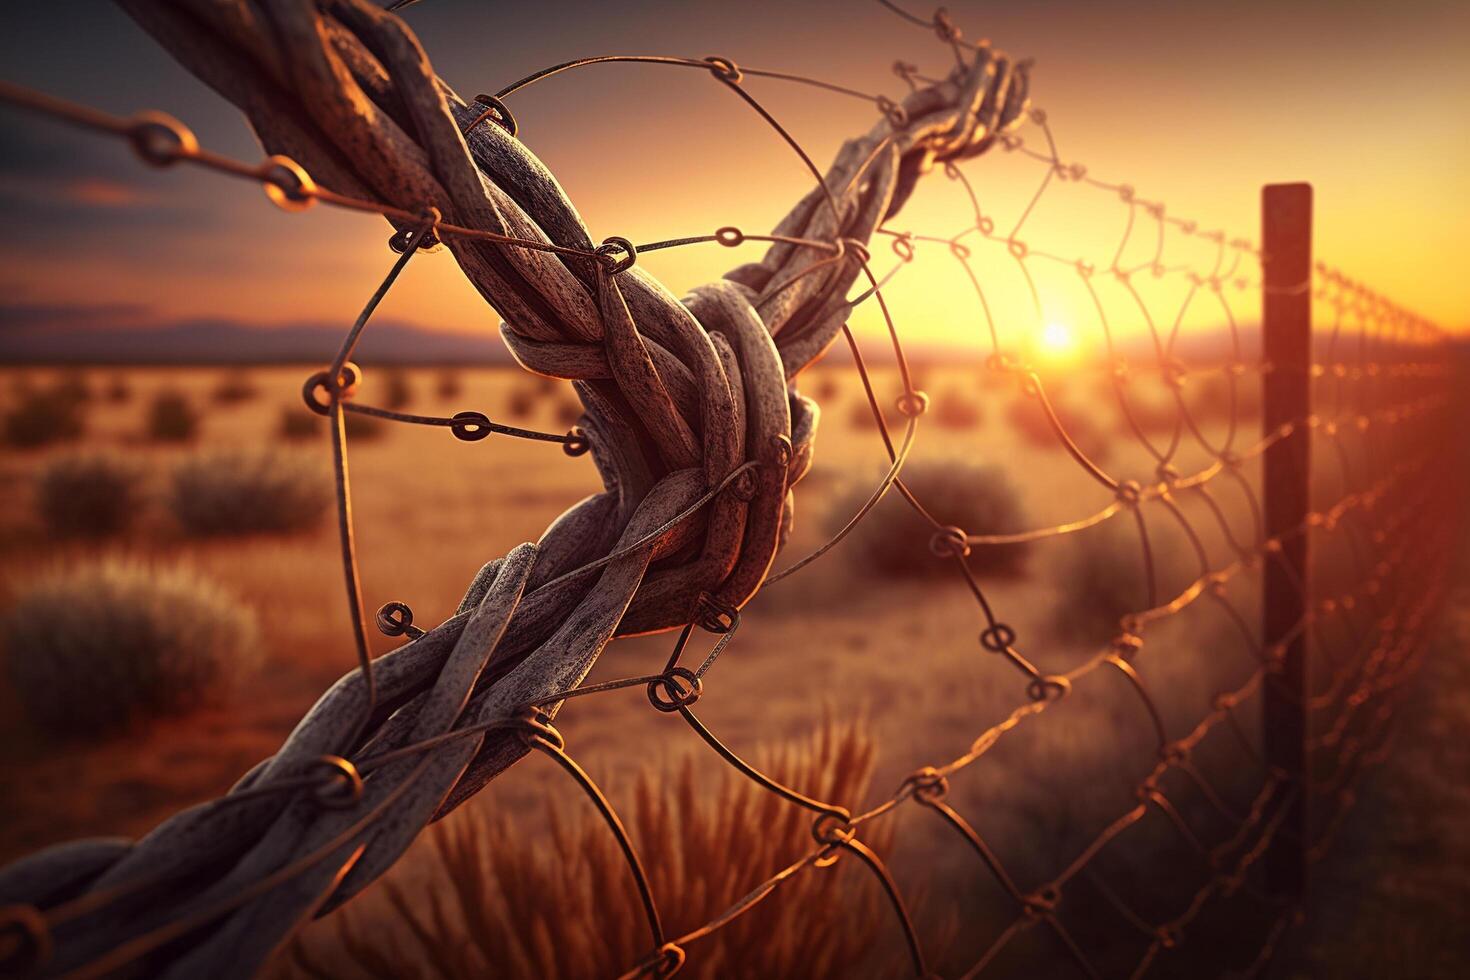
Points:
(1194, 105)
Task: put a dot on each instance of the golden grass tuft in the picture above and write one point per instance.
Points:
(480, 895)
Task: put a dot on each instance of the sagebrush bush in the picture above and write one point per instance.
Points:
(1208, 396)
(553, 897)
(94, 649)
(956, 409)
(397, 392)
(860, 415)
(567, 410)
(1154, 413)
(248, 492)
(893, 539)
(299, 423)
(172, 418)
(235, 387)
(88, 494)
(118, 390)
(827, 388)
(74, 385)
(1102, 577)
(449, 385)
(521, 403)
(1027, 418)
(42, 417)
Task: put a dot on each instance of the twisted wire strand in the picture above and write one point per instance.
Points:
(1384, 421)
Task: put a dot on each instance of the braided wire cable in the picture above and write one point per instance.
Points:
(694, 423)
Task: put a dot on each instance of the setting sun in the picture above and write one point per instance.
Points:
(1057, 340)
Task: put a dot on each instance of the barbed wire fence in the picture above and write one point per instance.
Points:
(699, 434)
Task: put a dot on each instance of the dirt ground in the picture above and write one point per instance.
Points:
(836, 639)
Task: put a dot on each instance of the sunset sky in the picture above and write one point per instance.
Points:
(1194, 104)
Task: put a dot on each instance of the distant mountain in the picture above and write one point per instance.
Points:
(80, 334)
(28, 336)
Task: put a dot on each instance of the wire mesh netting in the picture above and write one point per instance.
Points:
(1179, 360)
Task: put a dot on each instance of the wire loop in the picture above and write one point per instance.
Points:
(611, 248)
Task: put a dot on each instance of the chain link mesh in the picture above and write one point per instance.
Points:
(1379, 519)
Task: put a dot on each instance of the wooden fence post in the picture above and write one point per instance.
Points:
(1286, 324)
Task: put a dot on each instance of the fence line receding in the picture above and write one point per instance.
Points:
(693, 417)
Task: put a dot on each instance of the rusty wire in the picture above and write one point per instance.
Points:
(1380, 395)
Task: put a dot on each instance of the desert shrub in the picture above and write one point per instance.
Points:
(860, 415)
(74, 385)
(87, 495)
(172, 418)
(1208, 396)
(827, 388)
(235, 387)
(1101, 576)
(248, 492)
(117, 390)
(894, 540)
(93, 649)
(42, 417)
(397, 392)
(553, 898)
(299, 424)
(567, 410)
(449, 385)
(1028, 419)
(955, 409)
(362, 427)
(521, 403)
(1156, 415)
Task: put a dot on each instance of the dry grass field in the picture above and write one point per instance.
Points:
(844, 640)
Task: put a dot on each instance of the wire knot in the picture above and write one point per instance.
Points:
(160, 140)
(611, 248)
(832, 830)
(944, 28)
(576, 442)
(321, 384)
(1048, 687)
(950, 542)
(498, 111)
(669, 960)
(287, 183)
(715, 615)
(1130, 492)
(1041, 902)
(929, 785)
(395, 619)
(341, 784)
(912, 404)
(678, 694)
(470, 426)
(534, 727)
(997, 637)
(724, 69)
(1127, 643)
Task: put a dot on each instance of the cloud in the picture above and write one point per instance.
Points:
(54, 179)
(27, 316)
(104, 193)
